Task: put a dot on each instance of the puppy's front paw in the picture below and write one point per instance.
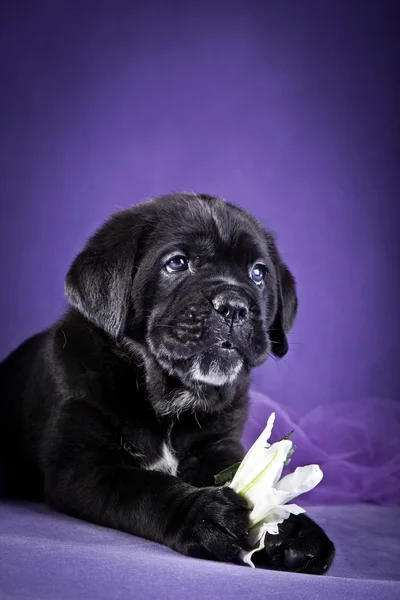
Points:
(301, 546)
(216, 525)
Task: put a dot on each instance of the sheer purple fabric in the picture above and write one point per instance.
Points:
(356, 444)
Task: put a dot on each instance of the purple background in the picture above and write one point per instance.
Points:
(287, 108)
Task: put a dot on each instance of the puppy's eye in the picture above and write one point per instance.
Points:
(258, 274)
(176, 264)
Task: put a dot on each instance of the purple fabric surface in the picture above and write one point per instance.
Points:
(48, 556)
(357, 445)
(287, 108)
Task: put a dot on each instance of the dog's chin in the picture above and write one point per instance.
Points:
(217, 366)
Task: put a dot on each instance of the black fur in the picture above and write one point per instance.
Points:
(123, 411)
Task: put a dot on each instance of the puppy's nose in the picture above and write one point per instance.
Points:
(232, 308)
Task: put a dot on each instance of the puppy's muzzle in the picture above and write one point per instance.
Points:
(233, 309)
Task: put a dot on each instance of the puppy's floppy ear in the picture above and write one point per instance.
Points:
(99, 281)
(286, 310)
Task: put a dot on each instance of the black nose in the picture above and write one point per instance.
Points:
(232, 308)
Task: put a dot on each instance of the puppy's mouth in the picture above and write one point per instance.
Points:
(224, 351)
(227, 346)
(216, 364)
(220, 364)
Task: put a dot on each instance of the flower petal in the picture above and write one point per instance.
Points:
(263, 505)
(256, 489)
(302, 480)
(257, 540)
(256, 533)
(254, 459)
(274, 514)
(279, 514)
(265, 470)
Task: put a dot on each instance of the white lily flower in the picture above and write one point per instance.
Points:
(257, 480)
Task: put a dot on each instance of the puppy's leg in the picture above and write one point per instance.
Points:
(202, 463)
(88, 476)
(300, 546)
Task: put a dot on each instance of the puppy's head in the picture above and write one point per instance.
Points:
(196, 280)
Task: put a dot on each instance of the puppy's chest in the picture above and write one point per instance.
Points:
(167, 460)
(153, 451)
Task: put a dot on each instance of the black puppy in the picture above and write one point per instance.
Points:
(123, 411)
